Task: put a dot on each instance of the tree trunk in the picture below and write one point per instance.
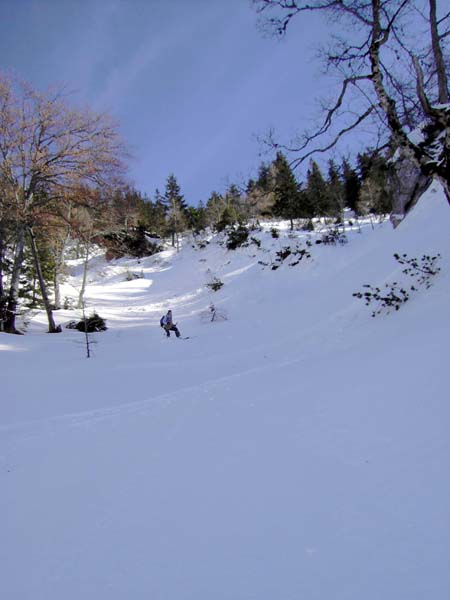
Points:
(13, 296)
(85, 270)
(59, 266)
(438, 56)
(52, 328)
(57, 303)
(411, 151)
(2, 291)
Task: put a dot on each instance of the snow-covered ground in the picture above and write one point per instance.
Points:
(297, 450)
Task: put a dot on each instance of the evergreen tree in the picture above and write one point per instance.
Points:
(375, 194)
(228, 217)
(160, 210)
(285, 189)
(214, 209)
(317, 190)
(196, 218)
(335, 190)
(260, 196)
(237, 203)
(264, 181)
(352, 186)
(177, 208)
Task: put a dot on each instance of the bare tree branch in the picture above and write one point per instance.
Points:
(296, 162)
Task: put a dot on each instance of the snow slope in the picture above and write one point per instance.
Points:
(297, 450)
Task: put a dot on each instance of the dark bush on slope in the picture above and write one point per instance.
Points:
(237, 237)
(134, 242)
(91, 324)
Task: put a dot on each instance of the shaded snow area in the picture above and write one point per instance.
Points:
(297, 450)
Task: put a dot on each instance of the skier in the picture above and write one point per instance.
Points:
(167, 324)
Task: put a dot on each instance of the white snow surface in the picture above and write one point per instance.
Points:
(298, 450)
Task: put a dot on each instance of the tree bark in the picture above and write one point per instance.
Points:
(2, 291)
(85, 270)
(59, 266)
(52, 328)
(13, 296)
(439, 61)
(387, 104)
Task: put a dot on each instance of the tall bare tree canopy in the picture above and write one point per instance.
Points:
(47, 150)
(392, 60)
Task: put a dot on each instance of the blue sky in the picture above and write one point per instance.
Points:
(191, 82)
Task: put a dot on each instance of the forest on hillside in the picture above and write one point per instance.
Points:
(63, 170)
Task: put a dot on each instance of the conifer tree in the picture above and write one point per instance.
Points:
(335, 190)
(196, 218)
(260, 196)
(214, 209)
(375, 195)
(317, 190)
(177, 208)
(285, 189)
(160, 210)
(352, 186)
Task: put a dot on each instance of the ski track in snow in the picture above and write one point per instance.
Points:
(298, 449)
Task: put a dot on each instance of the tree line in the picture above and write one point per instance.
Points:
(63, 187)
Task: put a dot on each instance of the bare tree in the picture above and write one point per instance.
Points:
(47, 149)
(392, 64)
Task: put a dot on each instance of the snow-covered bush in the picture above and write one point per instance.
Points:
(213, 314)
(131, 275)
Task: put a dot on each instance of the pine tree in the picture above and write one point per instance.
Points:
(352, 186)
(335, 190)
(214, 209)
(177, 208)
(285, 189)
(260, 196)
(317, 190)
(375, 194)
(196, 218)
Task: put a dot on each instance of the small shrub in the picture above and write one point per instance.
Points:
(68, 303)
(90, 324)
(394, 294)
(256, 241)
(228, 218)
(296, 253)
(130, 275)
(421, 269)
(215, 284)
(237, 237)
(393, 297)
(284, 253)
(275, 233)
(333, 237)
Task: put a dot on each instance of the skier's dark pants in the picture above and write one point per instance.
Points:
(172, 328)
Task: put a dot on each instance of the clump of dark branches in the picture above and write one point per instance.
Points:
(421, 269)
(333, 237)
(393, 295)
(297, 254)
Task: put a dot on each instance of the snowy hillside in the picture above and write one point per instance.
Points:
(297, 449)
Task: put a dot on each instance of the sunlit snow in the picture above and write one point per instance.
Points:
(295, 449)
